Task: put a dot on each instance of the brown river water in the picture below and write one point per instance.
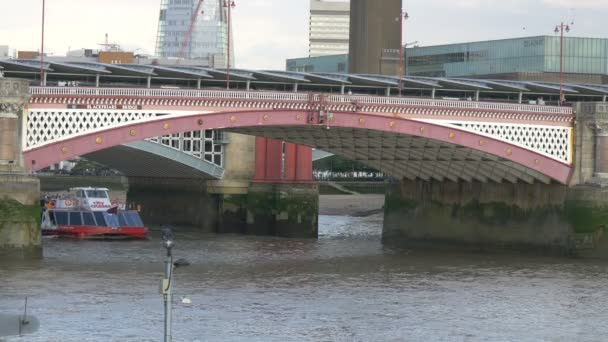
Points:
(346, 286)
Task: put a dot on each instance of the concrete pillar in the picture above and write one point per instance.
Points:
(283, 209)
(520, 97)
(198, 83)
(19, 192)
(601, 149)
(149, 82)
(477, 95)
(433, 91)
(548, 218)
(342, 88)
(295, 87)
(388, 91)
(248, 85)
(604, 98)
(97, 81)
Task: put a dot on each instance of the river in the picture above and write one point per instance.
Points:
(344, 287)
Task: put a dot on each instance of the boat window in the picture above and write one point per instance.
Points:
(52, 217)
(101, 221)
(111, 219)
(129, 218)
(97, 194)
(62, 218)
(122, 219)
(136, 220)
(88, 219)
(80, 194)
(75, 219)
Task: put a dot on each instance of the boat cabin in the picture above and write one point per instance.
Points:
(93, 199)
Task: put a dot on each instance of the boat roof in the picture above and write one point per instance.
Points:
(89, 188)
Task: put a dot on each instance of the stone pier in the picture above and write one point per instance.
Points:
(19, 191)
(236, 204)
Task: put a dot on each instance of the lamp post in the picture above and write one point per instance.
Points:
(403, 16)
(229, 5)
(560, 29)
(166, 286)
(42, 82)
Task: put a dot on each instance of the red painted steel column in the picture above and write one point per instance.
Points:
(260, 159)
(274, 160)
(304, 163)
(291, 162)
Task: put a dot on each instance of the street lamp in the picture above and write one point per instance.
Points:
(166, 285)
(229, 5)
(42, 82)
(403, 16)
(560, 29)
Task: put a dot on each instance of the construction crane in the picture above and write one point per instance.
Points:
(182, 49)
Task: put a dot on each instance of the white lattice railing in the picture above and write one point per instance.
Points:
(286, 96)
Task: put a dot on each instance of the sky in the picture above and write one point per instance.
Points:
(267, 32)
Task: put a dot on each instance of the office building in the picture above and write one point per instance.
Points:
(329, 27)
(523, 59)
(330, 64)
(374, 28)
(518, 59)
(184, 32)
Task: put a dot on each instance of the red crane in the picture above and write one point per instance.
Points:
(182, 49)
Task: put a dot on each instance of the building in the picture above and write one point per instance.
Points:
(208, 34)
(523, 59)
(518, 59)
(331, 64)
(4, 51)
(329, 27)
(374, 28)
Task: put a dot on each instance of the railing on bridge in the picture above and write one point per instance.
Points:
(300, 97)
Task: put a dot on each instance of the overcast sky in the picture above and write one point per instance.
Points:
(267, 32)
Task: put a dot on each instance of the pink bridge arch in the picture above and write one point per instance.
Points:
(260, 120)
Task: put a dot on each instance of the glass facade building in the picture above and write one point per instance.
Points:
(585, 59)
(334, 63)
(329, 27)
(209, 37)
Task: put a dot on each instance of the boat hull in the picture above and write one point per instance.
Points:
(97, 232)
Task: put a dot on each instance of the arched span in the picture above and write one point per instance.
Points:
(264, 122)
(148, 159)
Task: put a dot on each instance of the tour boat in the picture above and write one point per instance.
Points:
(88, 212)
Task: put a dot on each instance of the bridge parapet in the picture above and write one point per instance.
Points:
(49, 92)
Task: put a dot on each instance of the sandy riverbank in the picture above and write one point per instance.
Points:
(351, 205)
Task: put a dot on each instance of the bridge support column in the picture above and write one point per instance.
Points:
(282, 200)
(19, 191)
(591, 143)
(537, 217)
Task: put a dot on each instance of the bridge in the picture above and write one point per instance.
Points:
(494, 173)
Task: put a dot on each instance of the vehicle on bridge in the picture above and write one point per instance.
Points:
(88, 212)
